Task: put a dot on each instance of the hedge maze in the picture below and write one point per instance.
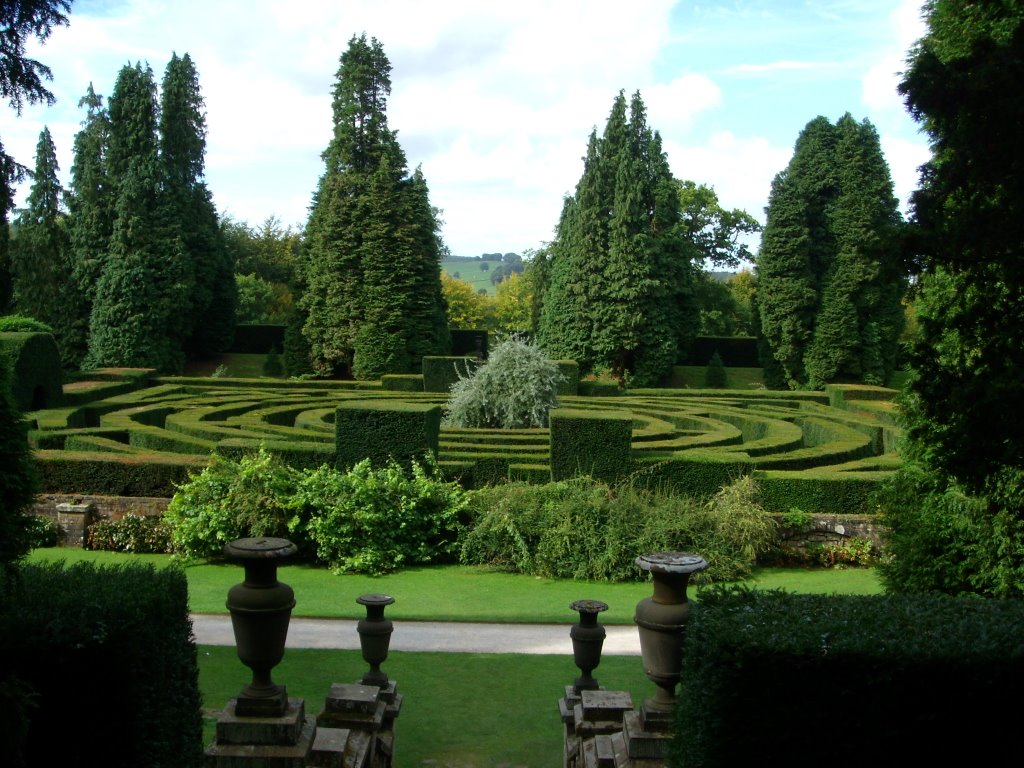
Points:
(130, 433)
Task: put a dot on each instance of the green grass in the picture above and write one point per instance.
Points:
(461, 593)
(466, 710)
(470, 272)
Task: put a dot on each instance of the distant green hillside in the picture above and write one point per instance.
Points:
(472, 272)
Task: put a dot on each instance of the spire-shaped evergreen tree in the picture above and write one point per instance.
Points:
(141, 313)
(90, 224)
(620, 290)
(182, 153)
(830, 275)
(373, 300)
(40, 247)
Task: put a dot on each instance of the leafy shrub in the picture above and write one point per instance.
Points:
(365, 520)
(132, 533)
(371, 520)
(515, 389)
(230, 500)
(23, 324)
(40, 531)
(714, 375)
(584, 529)
(838, 554)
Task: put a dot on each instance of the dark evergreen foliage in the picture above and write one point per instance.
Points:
(141, 314)
(90, 224)
(373, 300)
(17, 478)
(620, 288)
(182, 152)
(963, 495)
(830, 272)
(39, 250)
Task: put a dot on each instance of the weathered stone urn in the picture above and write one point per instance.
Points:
(661, 619)
(261, 608)
(587, 641)
(375, 637)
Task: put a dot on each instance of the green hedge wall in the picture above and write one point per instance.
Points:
(570, 370)
(107, 659)
(818, 491)
(813, 680)
(439, 373)
(136, 474)
(595, 443)
(34, 362)
(295, 453)
(402, 382)
(379, 429)
(695, 473)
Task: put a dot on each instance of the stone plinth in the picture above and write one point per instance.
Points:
(263, 742)
(368, 714)
(73, 521)
(339, 748)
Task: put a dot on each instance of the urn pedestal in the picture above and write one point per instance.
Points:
(261, 609)
(587, 641)
(661, 620)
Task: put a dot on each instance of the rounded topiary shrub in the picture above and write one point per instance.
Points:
(514, 390)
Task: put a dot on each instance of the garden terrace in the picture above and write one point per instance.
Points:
(820, 451)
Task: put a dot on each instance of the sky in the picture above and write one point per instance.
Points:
(495, 100)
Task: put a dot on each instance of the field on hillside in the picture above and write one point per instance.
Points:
(472, 272)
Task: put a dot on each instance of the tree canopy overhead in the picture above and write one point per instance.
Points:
(373, 302)
(830, 269)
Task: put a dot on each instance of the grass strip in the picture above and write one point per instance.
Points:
(462, 593)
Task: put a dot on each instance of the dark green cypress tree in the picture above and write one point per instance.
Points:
(830, 268)
(90, 224)
(372, 299)
(40, 247)
(182, 152)
(140, 316)
(8, 174)
(17, 480)
(620, 293)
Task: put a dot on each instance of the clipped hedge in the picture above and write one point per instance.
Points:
(34, 363)
(696, 473)
(772, 678)
(298, 454)
(382, 429)
(112, 474)
(818, 491)
(594, 443)
(402, 382)
(439, 373)
(105, 666)
(570, 383)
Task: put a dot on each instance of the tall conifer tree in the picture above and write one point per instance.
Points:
(373, 300)
(182, 152)
(620, 289)
(90, 223)
(40, 247)
(830, 277)
(141, 312)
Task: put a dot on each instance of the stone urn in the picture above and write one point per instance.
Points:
(375, 637)
(587, 641)
(661, 620)
(261, 608)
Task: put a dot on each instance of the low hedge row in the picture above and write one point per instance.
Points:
(133, 474)
(439, 373)
(378, 430)
(809, 680)
(34, 363)
(99, 668)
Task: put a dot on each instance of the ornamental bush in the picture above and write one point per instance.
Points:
(132, 533)
(376, 520)
(514, 390)
(585, 529)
